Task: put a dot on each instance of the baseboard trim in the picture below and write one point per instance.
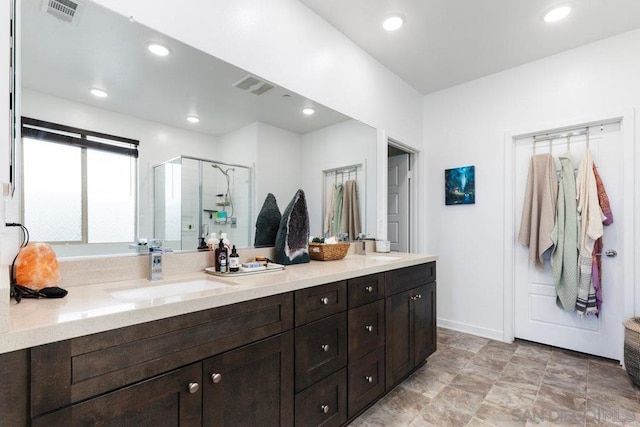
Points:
(471, 329)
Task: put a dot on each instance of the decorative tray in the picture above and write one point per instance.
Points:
(269, 268)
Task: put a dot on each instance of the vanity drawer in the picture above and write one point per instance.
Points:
(365, 381)
(366, 329)
(321, 348)
(69, 371)
(325, 403)
(320, 301)
(363, 290)
(409, 277)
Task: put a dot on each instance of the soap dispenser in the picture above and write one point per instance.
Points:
(221, 258)
(234, 260)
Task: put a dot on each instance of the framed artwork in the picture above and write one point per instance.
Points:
(460, 186)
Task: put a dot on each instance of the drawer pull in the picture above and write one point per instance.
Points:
(325, 347)
(216, 378)
(324, 300)
(369, 328)
(368, 379)
(369, 289)
(324, 408)
(193, 388)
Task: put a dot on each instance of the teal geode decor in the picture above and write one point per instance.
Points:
(268, 222)
(292, 239)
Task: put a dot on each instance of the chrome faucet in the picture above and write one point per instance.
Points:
(155, 259)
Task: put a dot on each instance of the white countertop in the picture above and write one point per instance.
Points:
(89, 309)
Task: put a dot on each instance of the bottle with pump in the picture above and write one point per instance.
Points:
(221, 258)
(234, 260)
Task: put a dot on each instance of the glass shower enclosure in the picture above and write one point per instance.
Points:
(195, 197)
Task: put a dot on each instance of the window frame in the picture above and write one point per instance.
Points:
(80, 138)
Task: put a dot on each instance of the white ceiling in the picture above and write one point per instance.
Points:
(107, 51)
(447, 42)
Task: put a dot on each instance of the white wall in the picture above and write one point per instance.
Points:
(466, 125)
(343, 144)
(279, 166)
(285, 42)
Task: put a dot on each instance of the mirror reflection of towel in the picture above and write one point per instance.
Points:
(350, 219)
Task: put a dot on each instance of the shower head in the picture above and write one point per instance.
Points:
(224, 172)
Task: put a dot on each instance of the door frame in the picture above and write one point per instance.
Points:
(630, 245)
(413, 182)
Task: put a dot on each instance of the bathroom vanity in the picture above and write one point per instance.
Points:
(314, 344)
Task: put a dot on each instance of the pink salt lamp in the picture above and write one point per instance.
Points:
(37, 266)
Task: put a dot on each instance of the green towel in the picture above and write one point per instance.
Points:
(564, 258)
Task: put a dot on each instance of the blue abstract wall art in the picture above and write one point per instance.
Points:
(460, 186)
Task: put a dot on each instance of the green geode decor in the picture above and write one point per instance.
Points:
(292, 240)
(268, 222)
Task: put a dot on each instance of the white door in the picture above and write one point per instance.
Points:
(398, 203)
(537, 317)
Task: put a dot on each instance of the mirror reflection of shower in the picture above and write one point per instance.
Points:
(194, 197)
(227, 199)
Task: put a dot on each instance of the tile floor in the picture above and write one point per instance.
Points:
(473, 381)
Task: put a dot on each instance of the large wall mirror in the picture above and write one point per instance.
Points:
(211, 137)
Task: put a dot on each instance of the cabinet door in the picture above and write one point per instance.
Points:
(399, 337)
(321, 348)
(172, 399)
(250, 386)
(366, 329)
(425, 321)
(324, 403)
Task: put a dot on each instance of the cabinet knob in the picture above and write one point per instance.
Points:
(325, 347)
(368, 379)
(324, 300)
(412, 298)
(193, 387)
(369, 289)
(418, 296)
(324, 408)
(369, 328)
(216, 378)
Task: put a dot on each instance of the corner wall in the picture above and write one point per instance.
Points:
(466, 125)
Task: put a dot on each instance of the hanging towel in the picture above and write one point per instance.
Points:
(590, 219)
(350, 211)
(337, 210)
(539, 210)
(564, 258)
(328, 216)
(603, 201)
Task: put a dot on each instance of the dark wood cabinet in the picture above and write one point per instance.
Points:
(250, 386)
(365, 381)
(321, 348)
(410, 330)
(366, 329)
(171, 399)
(236, 365)
(325, 403)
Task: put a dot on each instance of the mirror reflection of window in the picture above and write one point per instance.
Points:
(78, 188)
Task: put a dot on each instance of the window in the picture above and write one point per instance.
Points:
(79, 185)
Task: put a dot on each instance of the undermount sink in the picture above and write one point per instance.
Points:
(165, 290)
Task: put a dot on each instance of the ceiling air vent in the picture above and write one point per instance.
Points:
(65, 10)
(254, 85)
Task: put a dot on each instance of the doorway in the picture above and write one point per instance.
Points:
(399, 177)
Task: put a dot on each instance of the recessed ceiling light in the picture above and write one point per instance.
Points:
(308, 111)
(557, 13)
(158, 49)
(193, 119)
(98, 93)
(393, 22)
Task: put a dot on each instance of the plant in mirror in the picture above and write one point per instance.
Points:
(252, 129)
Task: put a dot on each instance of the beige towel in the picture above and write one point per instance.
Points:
(539, 210)
(350, 211)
